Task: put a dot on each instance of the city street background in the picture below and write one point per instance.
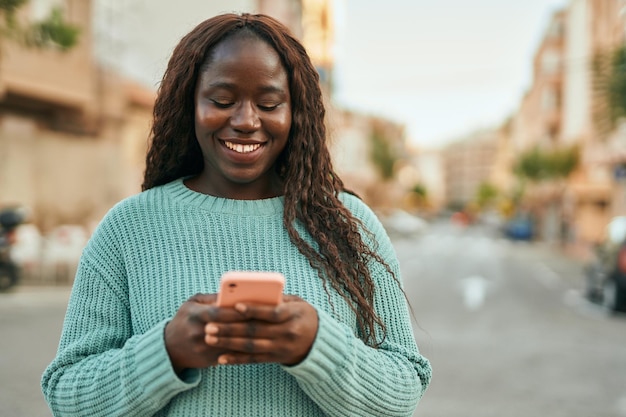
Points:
(503, 323)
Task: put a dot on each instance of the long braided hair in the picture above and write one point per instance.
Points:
(311, 186)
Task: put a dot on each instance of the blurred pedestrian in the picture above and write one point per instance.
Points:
(238, 177)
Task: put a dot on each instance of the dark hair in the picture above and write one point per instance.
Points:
(311, 186)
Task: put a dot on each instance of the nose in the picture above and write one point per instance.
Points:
(245, 117)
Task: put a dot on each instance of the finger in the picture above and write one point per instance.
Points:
(243, 358)
(250, 329)
(241, 344)
(203, 298)
(211, 313)
(272, 314)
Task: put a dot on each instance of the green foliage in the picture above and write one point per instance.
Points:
(563, 161)
(10, 28)
(382, 154)
(617, 83)
(486, 194)
(538, 165)
(55, 32)
(609, 85)
(10, 6)
(419, 190)
(52, 32)
(530, 165)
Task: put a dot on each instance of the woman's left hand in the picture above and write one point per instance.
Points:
(282, 334)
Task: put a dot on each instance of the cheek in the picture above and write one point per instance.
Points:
(206, 120)
(281, 124)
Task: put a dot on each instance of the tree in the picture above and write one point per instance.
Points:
(420, 191)
(382, 153)
(486, 194)
(554, 167)
(537, 165)
(52, 32)
(417, 197)
(609, 83)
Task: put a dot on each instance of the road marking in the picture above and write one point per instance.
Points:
(474, 290)
(621, 406)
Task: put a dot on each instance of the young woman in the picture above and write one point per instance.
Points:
(238, 177)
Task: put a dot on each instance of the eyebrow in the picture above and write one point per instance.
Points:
(231, 86)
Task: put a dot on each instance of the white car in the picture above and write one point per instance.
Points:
(402, 223)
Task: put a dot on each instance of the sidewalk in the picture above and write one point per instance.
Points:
(24, 295)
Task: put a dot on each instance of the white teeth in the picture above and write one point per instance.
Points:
(237, 147)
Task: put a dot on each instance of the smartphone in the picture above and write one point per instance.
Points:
(252, 287)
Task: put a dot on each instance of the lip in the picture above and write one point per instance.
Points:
(242, 157)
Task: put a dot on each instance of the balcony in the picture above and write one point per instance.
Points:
(64, 79)
(58, 88)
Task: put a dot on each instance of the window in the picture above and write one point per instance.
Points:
(40, 9)
(550, 62)
(549, 100)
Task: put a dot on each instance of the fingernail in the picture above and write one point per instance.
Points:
(222, 360)
(210, 340)
(210, 328)
(240, 307)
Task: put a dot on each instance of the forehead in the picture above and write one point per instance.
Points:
(245, 53)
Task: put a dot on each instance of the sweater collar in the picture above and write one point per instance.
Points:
(179, 192)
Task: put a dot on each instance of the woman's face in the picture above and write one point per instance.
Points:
(242, 119)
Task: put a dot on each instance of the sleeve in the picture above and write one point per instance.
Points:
(101, 367)
(346, 377)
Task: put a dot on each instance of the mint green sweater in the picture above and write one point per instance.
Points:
(153, 251)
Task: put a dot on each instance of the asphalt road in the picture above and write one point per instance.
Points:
(503, 324)
(31, 319)
(507, 331)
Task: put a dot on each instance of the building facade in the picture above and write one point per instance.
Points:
(72, 136)
(468, 163)
(565, 107)
(73, 131)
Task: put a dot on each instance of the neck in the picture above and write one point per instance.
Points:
(248, 191)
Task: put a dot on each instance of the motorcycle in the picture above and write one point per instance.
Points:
(10, 219)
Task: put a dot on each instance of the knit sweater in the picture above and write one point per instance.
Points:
(154, 250)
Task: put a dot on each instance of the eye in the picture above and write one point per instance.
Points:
(222, 104)
(267, 106)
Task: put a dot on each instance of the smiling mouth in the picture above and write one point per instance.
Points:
(240, 148)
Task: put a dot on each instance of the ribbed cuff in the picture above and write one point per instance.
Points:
(154, 367)
(328, 353)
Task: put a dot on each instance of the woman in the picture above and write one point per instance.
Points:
(238, 177)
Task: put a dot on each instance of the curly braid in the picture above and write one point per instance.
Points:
(311, 190)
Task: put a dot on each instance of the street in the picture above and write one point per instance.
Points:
(507, 331)
(30, 320)
(502, 322)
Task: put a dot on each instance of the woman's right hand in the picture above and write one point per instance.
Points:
(184, 334)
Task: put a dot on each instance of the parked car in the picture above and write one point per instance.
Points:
(519, 227)
(606, 272)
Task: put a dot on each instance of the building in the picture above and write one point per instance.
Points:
(595, 30)
(538, 124)
(73, 131)
(429, 167)
(467, 163)
(72, 135)
(566, 107)
(352, 137)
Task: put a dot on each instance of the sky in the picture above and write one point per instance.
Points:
(444, 68)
